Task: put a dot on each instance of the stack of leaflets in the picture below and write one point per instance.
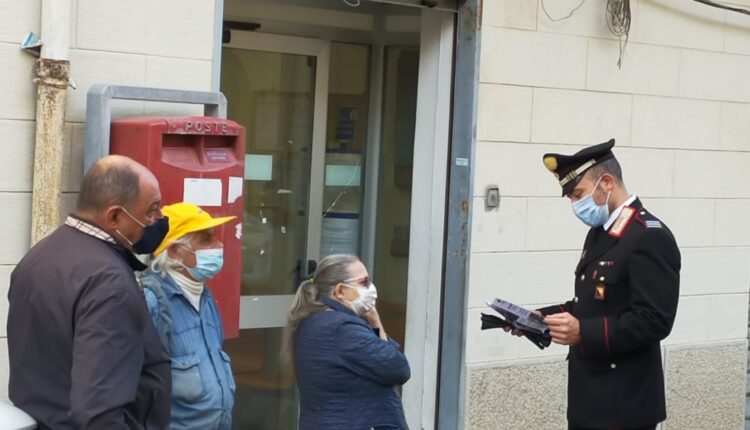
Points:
(530, 323)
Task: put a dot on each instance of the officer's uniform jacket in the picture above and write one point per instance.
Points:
(626, 293)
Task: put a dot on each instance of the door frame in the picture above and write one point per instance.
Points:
(428, 246)
(270, 310)
(428, 201)
(427, 236)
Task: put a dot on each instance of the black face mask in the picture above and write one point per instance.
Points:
(152, 237)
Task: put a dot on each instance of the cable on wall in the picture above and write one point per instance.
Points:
(572, 11)
(618, 21)
(724, 6)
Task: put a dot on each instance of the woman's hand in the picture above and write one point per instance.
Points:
(373, 318)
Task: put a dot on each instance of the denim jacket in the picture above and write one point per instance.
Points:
(203, 385)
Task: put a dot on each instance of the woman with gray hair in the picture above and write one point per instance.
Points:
(347, 367)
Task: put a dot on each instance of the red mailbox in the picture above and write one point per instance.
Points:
(199, 160)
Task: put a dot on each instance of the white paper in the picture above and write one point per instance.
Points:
(202, 192)
(258, 167)
(235, 188)
(519, 316)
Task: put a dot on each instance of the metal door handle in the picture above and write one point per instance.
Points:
(303, 272)
(311, 266)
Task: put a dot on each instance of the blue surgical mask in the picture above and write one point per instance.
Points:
(208, 262)
(589, 212)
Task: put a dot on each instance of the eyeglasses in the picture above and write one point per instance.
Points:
(363, 281)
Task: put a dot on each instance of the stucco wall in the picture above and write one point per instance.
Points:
(679, 109)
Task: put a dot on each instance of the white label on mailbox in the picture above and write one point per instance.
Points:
(235, 188)
(202, 192)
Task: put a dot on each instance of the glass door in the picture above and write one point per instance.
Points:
(277, 87)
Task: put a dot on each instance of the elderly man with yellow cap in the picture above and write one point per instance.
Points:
(187, 319)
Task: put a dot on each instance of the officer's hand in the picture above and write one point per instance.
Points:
(518, 332)
(564, 328)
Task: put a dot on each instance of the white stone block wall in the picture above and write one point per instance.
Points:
(167, 43)
(680, 110)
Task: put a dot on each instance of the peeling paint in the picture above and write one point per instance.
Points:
(52, 80)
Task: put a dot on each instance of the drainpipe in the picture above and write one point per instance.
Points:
(53, 73)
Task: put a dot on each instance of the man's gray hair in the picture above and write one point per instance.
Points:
(161, 263)
(108, 184)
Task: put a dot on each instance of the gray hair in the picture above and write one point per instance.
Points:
(331, 271)
(163, 262)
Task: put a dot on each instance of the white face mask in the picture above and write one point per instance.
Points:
(367, 297)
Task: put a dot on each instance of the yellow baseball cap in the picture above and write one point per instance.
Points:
(187, 218)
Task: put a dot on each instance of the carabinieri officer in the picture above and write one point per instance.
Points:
(626, 291)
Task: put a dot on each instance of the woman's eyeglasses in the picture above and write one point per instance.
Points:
(363, 281)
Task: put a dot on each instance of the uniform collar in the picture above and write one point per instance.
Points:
(616, 213)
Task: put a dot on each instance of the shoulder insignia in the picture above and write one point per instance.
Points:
(622, 222)
(648, 220)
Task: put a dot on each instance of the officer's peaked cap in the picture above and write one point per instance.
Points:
(569, 169)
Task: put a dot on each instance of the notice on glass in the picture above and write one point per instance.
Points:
(340, 234)
(258, 167)
(342, 175)
(202, 192)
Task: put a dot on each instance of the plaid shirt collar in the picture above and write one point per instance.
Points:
(89, 229)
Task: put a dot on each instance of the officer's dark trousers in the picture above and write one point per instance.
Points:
(653, 427)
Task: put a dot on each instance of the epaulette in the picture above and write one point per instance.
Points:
(648, 220)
